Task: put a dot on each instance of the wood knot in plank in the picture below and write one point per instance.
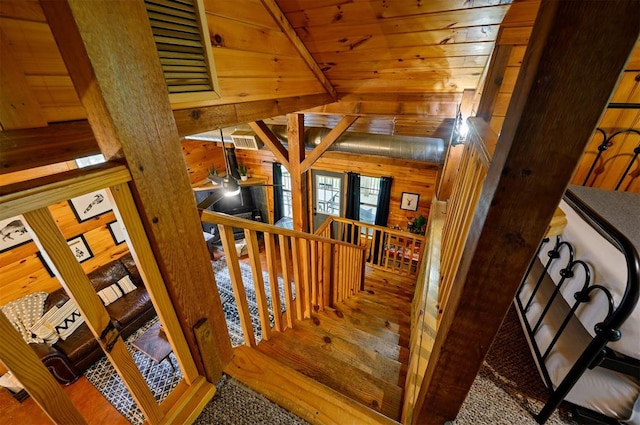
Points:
(327, 339)
(316, 321)
(339, 314)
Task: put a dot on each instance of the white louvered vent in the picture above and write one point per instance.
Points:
(245, 140)
(185, 54)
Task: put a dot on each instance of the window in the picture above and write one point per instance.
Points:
(328, 195)
(286, 193)
(369, 191)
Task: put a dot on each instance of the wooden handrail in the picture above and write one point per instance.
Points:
(242, 223)
(380, 228)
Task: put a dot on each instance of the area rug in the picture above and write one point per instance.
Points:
(236, 404)
(161, 379)
(508, 389)
(229, 305)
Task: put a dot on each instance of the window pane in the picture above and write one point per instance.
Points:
(369, 191)
(286, 193)
(328, 195)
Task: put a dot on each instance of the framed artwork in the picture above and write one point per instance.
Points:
(409, 201)
(90, 205)
(13, 233)
(80, 248)
(117, 231)
(45, 264)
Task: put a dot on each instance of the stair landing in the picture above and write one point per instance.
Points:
(359, 348)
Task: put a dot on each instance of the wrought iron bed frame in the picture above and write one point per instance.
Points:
(596, 354)
(607, 142)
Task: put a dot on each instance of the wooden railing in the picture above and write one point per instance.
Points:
(31, 200)
(474, 164)
(386, 249)
(316, 272)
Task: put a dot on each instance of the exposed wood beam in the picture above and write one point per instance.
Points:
(328, 140)
(132, 118)
(34, 147)
(19, 107)
(198, 120)
(299, 196)
(493, 81)
(291, 34)
(527, 177)
(272, 142)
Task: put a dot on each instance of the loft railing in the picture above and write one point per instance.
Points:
(31, 199)
(385, 249)
(316, 272)
(474, 165)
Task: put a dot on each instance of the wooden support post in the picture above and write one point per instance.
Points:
(549, 122)
(495, 75)
(299, 195)
(124, 93)
(328, 140)
(272, 142)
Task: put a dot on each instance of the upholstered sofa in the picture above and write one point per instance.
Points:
(68, 359)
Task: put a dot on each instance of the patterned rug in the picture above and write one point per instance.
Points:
(161, 378)
(229, 305)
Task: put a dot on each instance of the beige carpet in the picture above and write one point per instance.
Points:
(505, 392)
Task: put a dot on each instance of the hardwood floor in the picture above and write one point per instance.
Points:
(359, 348)
(92, 405)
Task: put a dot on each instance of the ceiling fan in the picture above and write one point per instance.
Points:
(228, 185)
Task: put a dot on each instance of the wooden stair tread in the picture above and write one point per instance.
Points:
(379, 309)
(372, 392)
(372, 362)
(300, 394)
(342, 309)
(369, 323)
(365, 339)
(389, 289)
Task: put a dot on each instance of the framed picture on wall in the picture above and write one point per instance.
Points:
(117, 232)
(46, 265)
(80, 248)
(13, 233)
(90, 205)
(409, 201)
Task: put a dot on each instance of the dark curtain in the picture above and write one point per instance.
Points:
(382, 212)
(278, 198)
(352, 209)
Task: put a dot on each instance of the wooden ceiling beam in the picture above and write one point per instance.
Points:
(286, 27)
(272, 142)
(34, 147)
(327, 141)
(525, 182)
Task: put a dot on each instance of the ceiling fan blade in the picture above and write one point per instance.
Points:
(260, 185)
(210, 200)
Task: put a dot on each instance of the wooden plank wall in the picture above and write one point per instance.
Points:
(254, 58)
(408, 176)
(22, 272)
(515, 33)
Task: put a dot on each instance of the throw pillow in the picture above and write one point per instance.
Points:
(10, 382)
(24, 312)
(67, 319)
(43, 328)
(117, 290)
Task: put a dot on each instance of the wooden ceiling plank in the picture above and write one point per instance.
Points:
(327, 141)
(363, 24)
(434, 53)
(284, 24)
(413, 39)
(406, 86)
(355, 13)
(28, 10)
(526, 180)
(272, 141)
(443, 63)
(19, 107)
(242, 11)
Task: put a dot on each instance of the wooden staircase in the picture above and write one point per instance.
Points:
(358, 347)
